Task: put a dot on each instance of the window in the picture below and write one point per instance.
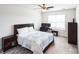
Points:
(57, 21)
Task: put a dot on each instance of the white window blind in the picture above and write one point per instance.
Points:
(57, 21)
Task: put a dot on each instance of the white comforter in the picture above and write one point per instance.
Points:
(36, 41)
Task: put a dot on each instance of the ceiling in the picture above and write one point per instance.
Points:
(59, 6)
(35, 6)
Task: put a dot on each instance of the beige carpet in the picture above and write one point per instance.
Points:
(61, 46)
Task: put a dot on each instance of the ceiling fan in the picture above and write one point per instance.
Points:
(44, 6)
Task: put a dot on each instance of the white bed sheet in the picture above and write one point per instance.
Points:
(36, 41)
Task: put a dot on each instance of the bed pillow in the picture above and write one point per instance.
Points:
(31, 29)
(23, 30)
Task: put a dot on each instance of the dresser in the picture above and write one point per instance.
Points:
(72, 33)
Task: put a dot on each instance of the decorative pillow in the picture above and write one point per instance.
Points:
(31, 29)
(23, 30)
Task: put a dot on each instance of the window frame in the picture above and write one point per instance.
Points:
(56, 27)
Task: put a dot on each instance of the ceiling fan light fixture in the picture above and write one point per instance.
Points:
(44, 10)
(44, 7)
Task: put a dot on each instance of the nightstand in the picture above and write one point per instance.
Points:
(55, 32)
(8, 42)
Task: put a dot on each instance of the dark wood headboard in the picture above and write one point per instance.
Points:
(17, 26)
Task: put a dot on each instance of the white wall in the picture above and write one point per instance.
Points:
(17, 14)
(77, 19)
(70, 14)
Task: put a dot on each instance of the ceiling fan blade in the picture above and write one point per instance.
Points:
(40, 6)
(50, 7)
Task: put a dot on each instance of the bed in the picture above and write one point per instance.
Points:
(36, 41)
